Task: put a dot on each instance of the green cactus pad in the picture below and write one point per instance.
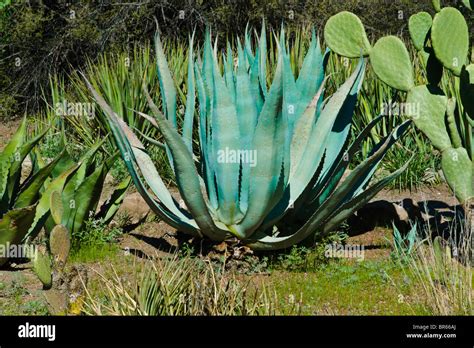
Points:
(391, 62)
(436, 5)
(457, 169)
(56, 206)
(450, 38)
(60, 243)
(430, 103)
(344, 33)
(419, 26)
(467, 89)
(451, 123)
(42, 268)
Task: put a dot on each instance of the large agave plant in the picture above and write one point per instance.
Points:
(267, 164)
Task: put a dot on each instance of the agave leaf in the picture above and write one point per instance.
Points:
(324, 187)
(348, 208)
(7, 158)
(273, 243)
(340, 196)
(111, 206)
(396, 134)
(357, 180)
(64, 164)
(30, 190)
(311, 75)
(124, 137)
(4, 201)
(285, 204)
(291, 94)
(153, 179)
(69, 191)
(246, 105)
(16, 165)
(85, 199)
(207, 94)
(37, 160)
(255, 82)
(86, 159)
(187, 177)
(43, 205)
(226, 137)
(248, 47)
(167, 88)
(302, 180)
(333, 124)
(291, 100)
(207, 170)
(265, 176)
(229, 72)
(262, 63)
(304, 132)
(150, 139)
(207, 68)
(340, 131)
(190, 101)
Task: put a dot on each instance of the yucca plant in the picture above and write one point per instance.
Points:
(179, 286)
(269, 161)
(118, 76)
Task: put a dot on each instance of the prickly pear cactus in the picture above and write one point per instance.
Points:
(419, 26)
(443, 43)
(56, 206)
(345, 34)
(60, 244)
(392, 64)
(450, 39)
(42, 267)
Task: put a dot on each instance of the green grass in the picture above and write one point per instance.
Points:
(94, 253)
(301, 258)
(96, 242)
(335, 287)
(349, 288)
